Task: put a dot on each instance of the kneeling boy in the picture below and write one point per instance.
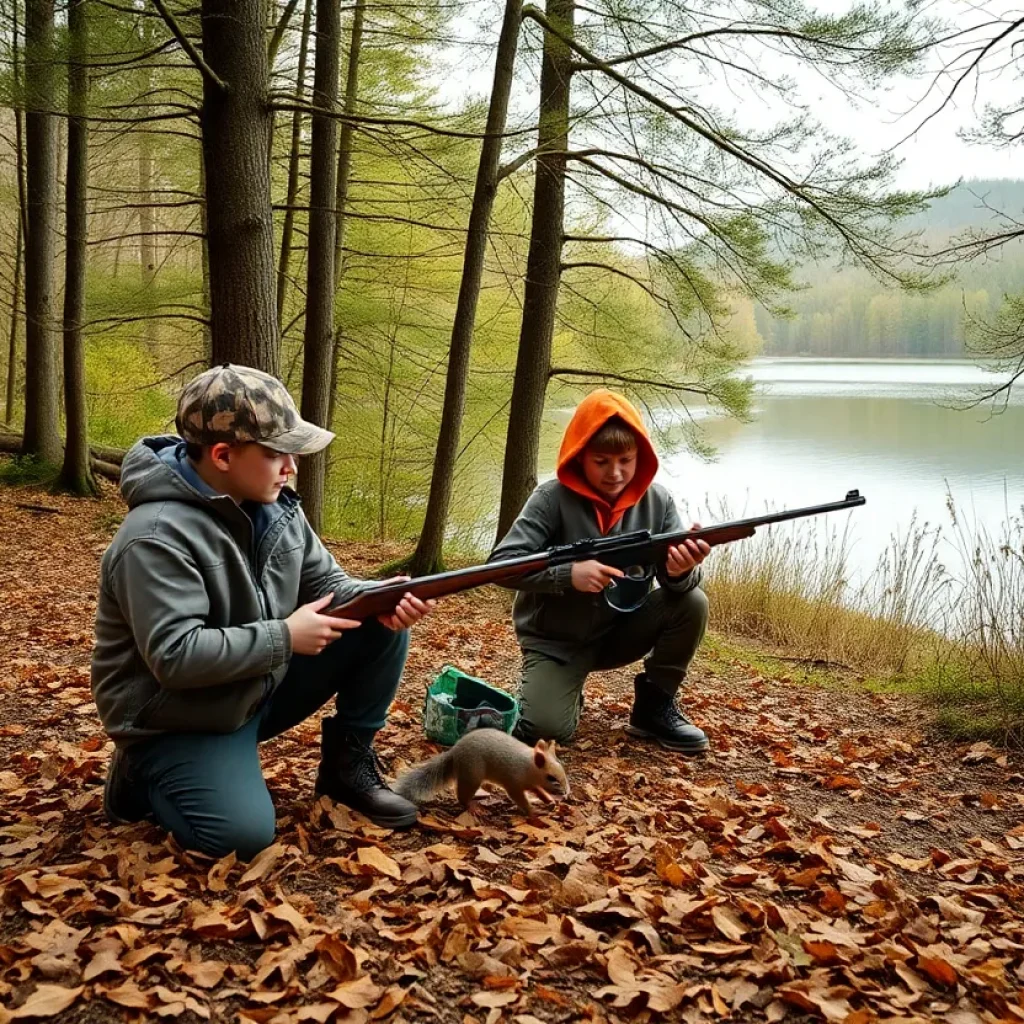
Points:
(604, 486)
(210, 636)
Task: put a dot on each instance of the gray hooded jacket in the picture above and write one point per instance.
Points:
(549, 615)
(190, 631)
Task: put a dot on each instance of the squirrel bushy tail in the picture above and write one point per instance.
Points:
(424, 780)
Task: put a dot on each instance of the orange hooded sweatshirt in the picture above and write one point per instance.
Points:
(591, 414)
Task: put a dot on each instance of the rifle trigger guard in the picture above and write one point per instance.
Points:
(629, 592)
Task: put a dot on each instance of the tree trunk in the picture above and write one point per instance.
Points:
(235, 127)
(287, 228)
(204, 257)
(344, 174)
(147, 214)
(280, 27)
(316, 365)
(428, 555)
(147, 239)
(42, 435)
(19, 245)
(12, 338)
(76, 474)
(543, 271)
(348, 131)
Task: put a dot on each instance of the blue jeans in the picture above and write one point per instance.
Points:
(208, 790)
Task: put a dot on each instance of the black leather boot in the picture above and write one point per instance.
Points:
(350, 773)
(124, 800)
(655, 715)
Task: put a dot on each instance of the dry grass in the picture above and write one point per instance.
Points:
(951, 627)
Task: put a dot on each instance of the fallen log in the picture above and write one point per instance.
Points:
(11, 442)
(104, 460)
(104, 468)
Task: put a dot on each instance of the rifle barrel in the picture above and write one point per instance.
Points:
(852, 500)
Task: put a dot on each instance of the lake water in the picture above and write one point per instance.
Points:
(888, 428)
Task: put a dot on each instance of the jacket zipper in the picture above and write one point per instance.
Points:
(278, 529)
(255, 573)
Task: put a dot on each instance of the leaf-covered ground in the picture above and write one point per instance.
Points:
(832, 860)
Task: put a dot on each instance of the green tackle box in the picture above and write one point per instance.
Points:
(457, 703)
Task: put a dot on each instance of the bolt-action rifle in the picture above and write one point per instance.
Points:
(635, 553)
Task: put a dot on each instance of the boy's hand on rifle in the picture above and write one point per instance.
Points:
(592, 577)
(407, 612)
(311, 632)
(686, 556)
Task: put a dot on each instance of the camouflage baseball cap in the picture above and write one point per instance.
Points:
(237, 403)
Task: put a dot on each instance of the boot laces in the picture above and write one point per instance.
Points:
(366, 767)
(668, 710)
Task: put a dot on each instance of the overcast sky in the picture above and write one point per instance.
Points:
(934, 155)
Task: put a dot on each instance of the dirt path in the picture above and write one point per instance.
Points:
(833, 859)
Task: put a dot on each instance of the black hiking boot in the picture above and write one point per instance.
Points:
(656, 716)
(350, 774)
(123, 803)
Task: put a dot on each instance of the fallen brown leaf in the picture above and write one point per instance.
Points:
(376, 858)
(47, 1001)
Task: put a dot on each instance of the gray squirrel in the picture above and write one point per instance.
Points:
(489, 755)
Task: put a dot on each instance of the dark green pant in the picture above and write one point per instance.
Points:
(666, 632)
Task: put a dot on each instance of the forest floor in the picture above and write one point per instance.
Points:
(834, 858)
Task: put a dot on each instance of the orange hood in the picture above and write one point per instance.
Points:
(591, 414)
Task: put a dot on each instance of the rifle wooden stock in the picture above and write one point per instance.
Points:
(621, 550)
(382, 600)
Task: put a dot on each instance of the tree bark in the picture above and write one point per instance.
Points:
(235, 128)
(204, 256)
(147, 227)
(428, 556)
(288, 226)
(12, 340)
(348, 131)
(147, 213)
(42, 435)
(316, 365)
(76, 473)
(344, 174)
(19, 245)
(543, 272)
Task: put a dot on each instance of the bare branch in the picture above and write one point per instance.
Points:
(188, 47)
(719, 141)
(397, 122)
(513, 165)
(600, 376)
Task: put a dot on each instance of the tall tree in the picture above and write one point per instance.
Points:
(204, 260)
(292, 191)
(318, 347)
(12, 337)
(76, 475)
(348, 126)
(543, 269)
(428, 555)
(146, 198)
(235, 121)
(345, 148)
(42, 436)
(19, 244)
